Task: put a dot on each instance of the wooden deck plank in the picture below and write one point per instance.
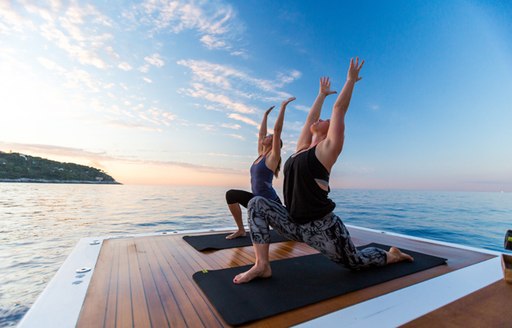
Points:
(138, 299)
(166, 264)
(170, 272)
(156, 309)
(111, 310)
(95, 306)
(487, 307)
(193, 300)
(124, 311)
(168, 307)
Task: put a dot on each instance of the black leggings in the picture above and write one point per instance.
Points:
(241, 197)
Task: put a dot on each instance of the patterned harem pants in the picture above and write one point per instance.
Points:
(327, 235)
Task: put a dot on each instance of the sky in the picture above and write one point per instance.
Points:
(173, 92)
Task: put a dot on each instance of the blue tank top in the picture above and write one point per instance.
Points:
(261, 181)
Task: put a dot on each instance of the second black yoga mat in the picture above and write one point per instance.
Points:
(219, 241)
(296, 282)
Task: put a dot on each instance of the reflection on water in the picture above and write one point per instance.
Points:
(41, 223)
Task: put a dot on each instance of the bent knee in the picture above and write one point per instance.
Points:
(231, 196)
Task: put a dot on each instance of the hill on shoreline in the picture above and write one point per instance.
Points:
(16, 167)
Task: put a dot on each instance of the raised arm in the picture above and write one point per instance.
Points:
(304, 140)
(263, 129)
(329, 149)
(275, 154)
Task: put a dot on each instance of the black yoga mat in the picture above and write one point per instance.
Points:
(296, 282)
(219, 241)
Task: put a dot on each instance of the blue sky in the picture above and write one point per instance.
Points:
(173, 92)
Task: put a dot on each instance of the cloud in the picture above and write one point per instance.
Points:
(125, 66)
(244, 119)
(144, 68)
(302, 108)
(374, 107)
(231, 126)
(207, 127)
(74, 78)
(98, 157)
(212, 42)
(225, 86)
(215, 21)
(198, 91)
(11, 21)
(250, 157)
(226, 77)
(132, 125)
(155, 60)
(147, 80)
(236, 136)
(55, 150)
(77, 30)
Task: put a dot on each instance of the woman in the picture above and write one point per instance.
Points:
(263, 169)
(308, 215)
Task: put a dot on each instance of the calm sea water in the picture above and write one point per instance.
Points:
(41, 223)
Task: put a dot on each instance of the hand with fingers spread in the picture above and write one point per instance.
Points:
(354, 69)
(325, 86)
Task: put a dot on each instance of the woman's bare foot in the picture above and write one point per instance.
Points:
(236, 234)
(395, 255)
(260, 271)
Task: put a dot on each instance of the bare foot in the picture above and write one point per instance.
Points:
(262, 271)
(395, 255)
(236, 234)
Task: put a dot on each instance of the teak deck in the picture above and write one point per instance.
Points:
(487, 307)
(147, 281)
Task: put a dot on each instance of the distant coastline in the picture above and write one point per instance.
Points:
(25, 180)
(21, 168)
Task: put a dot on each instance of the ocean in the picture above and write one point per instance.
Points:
(41, 223)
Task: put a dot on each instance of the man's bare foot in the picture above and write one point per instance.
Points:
(262, 271)
(395, 255)
(236, 234)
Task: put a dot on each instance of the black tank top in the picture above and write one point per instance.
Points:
(303, 197)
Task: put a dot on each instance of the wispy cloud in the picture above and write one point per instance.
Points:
(125, 66)
(244, 119)
(199, 91)
(226, 77)
(231, 126)
(374, 107)
(302, 108)
(215, 21)
(236, 136)
(99, 157)
(78, 30)
(54, 150)
(74, 77)
(231, 155)
(226, 86)
(155, 60)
